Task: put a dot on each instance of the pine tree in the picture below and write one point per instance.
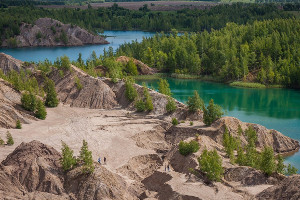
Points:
(68, 161)
(195, 103)
(86, 158)
(131, 68)
(229, 143)
(211, 113)
(148, 99)
(130, 91)
(171, 105)
(280, 165)
(28, 101)
(41, 112)
(1, 141)
(18, 124)
(51, 97)
(10, 140)
(164, 87)
(241, 159)
(290, 170)
(267, 161)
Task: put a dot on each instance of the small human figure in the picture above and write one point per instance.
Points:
(104, 159)
(165, 167)
(99, 160)
(168, 168)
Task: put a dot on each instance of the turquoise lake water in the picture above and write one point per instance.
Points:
(277, 109)
(274, 108)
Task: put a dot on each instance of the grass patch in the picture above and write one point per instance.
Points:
(150, 77)
(247, 84)
(185, 76)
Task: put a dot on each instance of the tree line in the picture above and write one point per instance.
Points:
(118, 18)
(265, 51)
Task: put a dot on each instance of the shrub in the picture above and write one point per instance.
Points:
(63, 37)
(171, 105)
(175, 121)
(18, 124)
(86, 158)
(211, 163)
(229, 143)
(267, 163)
(164, 87)
(28, 101)
(39, 35)
(51, 97)
(211, 113)
(186, 148)
(78, 83)
(68, 161)
(41, 112)
(131, 68)
(130, 91)
(191, 123)
(10, 140)
(140, 105)
(195, 103)
(280, 165)
(1, 141)
(148, 99)
(290, 170)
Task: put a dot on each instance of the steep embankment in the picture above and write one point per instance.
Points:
(50, 32)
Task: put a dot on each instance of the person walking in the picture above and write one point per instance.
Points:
(104, 159)
(168, 167)
(99, 160)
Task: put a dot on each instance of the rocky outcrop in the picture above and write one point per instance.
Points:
(78, 89)
(143, 69)
(8, 63)
(288, 189)
(33, 171)
(10, 109)
(49, 32)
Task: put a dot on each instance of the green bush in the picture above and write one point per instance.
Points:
(86, 158)
(175, 121)
(29, 102)
(41, 112)
(78, 83)
(229, 143)
(191, 123)
(280, 164)
(171, 105)
(290, 170)
(148, 99)
(211, 113)
(164, 87)
(186, 148)
(68, 161)
(10, 140)
(51, 97)
(63, 37)
(211, 163)
(130, 91)
(140, 105)
(195, 103)
(18, 124)
(131, 68)
(267, 163)
(1, 141)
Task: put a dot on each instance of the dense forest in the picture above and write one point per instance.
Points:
(267, 52)
(117, 18)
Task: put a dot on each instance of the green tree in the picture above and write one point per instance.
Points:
(130, 91)
(229, 143)
(175, 121)
(131, 68)
(290, 170)
(140, 105)
(68, 161)
(164, 87)
(18, 124)
(211, 113)
(51, 95)
(268, 161)
(241, 159)
(86, 158)
(195, 103)
(280, 164)
(1, 141)
(186, 148)
(10, 140)
(29, 102)
(211, 163)
(40, 112)
(148, 99)
(171, 105)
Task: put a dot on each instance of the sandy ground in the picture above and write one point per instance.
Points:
(108, 133)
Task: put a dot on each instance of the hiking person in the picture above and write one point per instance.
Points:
(99, 160)
(168, 168)
(104, 159)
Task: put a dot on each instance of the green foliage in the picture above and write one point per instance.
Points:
(63, 37)
(130, 91)
(241, 158)
(10, 140)
(290, 170)
(211, 113)
(195, 103)
(131, 68)
(230, 144)
(40, 112)
(247, 84)
(211, 163)
(18, 125)
(78, 83)
(29, 102)
(186, 148)
(1, 141)
(140, 105)
(51, 95)
(38, 35)
(164, 87)
(86, 158)
(148, 99)
(171, 105)
(63, 63)
(268, 164)
(175, 121)
(68, 161)
(280, 165)
(191, 123)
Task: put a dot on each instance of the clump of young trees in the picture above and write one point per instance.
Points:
(85, 159)
(33, 104)
(211, 113)
(186, 148)
(195, 103)
(164, 88)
